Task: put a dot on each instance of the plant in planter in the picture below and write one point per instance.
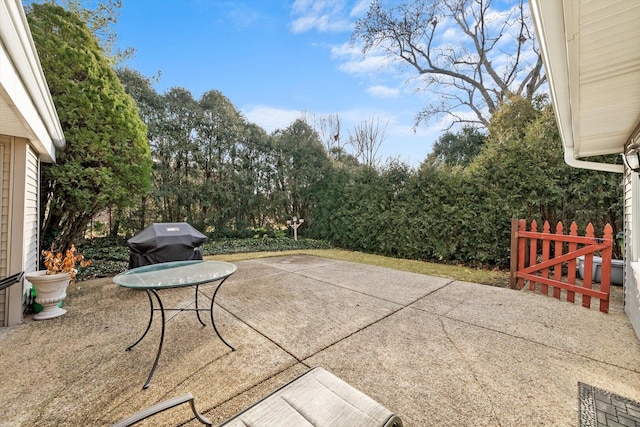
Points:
(51, 284)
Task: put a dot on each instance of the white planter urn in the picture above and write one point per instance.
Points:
(50, 290)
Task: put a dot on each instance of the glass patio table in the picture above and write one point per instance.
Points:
(170, 275)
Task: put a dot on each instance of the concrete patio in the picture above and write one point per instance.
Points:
(435, 351)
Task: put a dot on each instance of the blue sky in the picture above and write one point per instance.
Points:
(276, 60)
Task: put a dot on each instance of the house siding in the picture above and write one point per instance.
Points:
(31, 228)
(30, 133)
(632, 248)
(19, 222)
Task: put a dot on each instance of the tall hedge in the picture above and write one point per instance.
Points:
(107, 159)
(463, 214)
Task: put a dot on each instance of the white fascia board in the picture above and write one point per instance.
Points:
(15, 94)
(21, 68)
(555, 43)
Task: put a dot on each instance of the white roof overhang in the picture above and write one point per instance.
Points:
(591, 52)
(26, 106)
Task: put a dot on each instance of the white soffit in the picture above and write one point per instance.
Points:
(591, 51)
(606, 73)
(10, 123)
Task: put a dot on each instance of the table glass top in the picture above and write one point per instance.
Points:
(174, 274)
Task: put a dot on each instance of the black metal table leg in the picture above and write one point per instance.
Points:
(213, 299)
(155, 363)
(197, 310)
(148, 325)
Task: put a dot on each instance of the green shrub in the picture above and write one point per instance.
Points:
(111, 256)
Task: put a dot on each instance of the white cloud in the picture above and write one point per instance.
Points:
(240, 15)
(444, 121)
(380, 91)
(452, 34)
(370, 64)
(353, 62)
(346, 50)
(322, 23)
(321, 15)
(271, 118)
(416, 143)
(360, 8)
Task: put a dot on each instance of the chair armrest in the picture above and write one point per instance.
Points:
(11, 280)
(394, 421)
(162, 406)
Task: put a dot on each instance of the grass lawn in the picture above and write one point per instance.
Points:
(463, 273)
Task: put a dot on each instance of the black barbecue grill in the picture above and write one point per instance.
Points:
(164, 242)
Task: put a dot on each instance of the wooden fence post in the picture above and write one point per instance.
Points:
(522, 251)
(514, 253)
(605, 277)
(533, 252)
(546, 244)
(587, 281)
(557, 252)
(571, 272)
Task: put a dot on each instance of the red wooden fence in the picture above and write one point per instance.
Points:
(549, 252)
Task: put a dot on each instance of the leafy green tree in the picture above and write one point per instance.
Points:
(457, 149)
(101, 17)
(150, 106)
(175, 172)
(340, 156)
(254, 179)
(211, 167)
(300, 162)
(107, 156)
(218, 128)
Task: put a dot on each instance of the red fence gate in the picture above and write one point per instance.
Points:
(539, 257)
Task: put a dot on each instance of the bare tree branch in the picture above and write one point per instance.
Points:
(366, 140)
(466, 49)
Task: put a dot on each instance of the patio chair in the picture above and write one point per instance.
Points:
(11, 280)
(316, 398)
